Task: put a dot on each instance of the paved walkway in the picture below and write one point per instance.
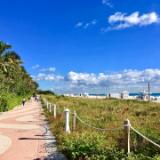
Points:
(24, 135)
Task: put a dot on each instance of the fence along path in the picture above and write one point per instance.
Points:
(127, 127)
(99, 129)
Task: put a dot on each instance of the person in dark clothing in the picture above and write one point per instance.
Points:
(23, 101)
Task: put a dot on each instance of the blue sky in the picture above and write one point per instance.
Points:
(86, 46)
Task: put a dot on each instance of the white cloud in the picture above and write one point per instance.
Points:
(107, 3)
(46, 70)
(81, 78)
(48, 77)
(126, 77)
(79, 24)
(122, 20)
(36, 66)
(132, 80)
(85, 25)
(102, 79)
(50, 69)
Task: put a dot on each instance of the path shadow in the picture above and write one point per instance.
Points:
(31, 138)
(55, 156)
(43, 136)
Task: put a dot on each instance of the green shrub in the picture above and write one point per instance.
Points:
(9, 100)
(89, 146)
(3, 104)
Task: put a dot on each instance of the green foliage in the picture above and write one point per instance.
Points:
(47, 92)
(8, 101)
(88, 144)
(3, 104)
(15, 81)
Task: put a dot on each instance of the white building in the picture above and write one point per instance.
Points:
(124, 95)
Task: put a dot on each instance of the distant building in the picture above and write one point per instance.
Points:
(114, 95)
(84, 94)
(143, 96)
(124, 95)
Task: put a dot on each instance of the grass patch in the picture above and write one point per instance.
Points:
(88, 144)
(9, 101)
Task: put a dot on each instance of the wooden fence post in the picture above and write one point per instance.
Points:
(54, 111)
(127, 126)
(74, 121)
(67, 127)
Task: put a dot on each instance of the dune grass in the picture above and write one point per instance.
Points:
(86, 143)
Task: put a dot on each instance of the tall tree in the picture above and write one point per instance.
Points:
(3, 49)
(13, 76)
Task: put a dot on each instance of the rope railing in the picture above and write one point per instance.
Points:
(143, 136)
(127, 127)
(96, 128)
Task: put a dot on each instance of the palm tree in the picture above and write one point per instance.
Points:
(10, 63)
(13, 76)
(3, 48)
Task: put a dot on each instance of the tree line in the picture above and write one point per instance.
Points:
(14, 78)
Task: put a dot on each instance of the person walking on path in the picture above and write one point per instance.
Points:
(23, 102)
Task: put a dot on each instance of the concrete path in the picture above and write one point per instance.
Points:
(25, 135)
